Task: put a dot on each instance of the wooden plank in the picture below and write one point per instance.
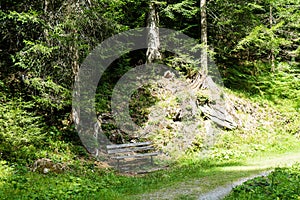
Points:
(136, 155)
(130, 149)
(118, 146)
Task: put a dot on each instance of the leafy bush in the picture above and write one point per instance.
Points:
(24, 136)
(5, 172)
(22, 184)
(283, 183)
(21, 133)
(256, 80)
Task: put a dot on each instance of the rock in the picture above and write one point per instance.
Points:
(46, 170)
(44, 165)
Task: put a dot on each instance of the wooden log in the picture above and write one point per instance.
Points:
(220, 117)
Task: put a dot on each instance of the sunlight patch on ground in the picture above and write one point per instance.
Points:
(223, 179)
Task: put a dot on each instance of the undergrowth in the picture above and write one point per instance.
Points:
(270, 124)
(283, 183)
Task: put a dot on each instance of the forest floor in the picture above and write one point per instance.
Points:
(220, 183)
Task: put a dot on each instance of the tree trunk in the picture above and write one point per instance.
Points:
(153, 35)
(200, 77)
(272, 57)
(46, 33)
(204, 67)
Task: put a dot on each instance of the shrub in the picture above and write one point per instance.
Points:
(21, 132)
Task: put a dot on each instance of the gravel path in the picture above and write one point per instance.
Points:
(221, 192)
(192, 188)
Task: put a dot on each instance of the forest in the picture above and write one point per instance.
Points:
(223, 104)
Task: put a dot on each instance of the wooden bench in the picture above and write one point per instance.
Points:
(131, 150)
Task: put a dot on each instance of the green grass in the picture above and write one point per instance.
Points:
(95, 185)
(19, 183)
(91, 183)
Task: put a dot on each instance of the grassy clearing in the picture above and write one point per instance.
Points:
(235, 154)
(184, 181)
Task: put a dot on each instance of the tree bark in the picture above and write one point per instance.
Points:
(204, 67)
(153, 53)
(202, 74)
(272, 51)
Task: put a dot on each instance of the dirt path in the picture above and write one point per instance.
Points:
(220, 184)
